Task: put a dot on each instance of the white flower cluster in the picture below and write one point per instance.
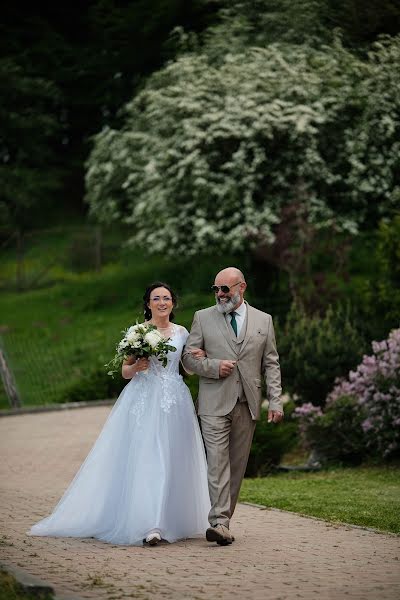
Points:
(153, 338)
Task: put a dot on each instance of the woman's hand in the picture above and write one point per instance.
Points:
(142, 364)
(198, 353)
(132, 366)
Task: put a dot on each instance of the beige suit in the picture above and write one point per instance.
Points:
(229, 407)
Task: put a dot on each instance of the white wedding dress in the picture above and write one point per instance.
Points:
(146, 472)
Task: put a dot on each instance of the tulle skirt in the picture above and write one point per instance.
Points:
(146, 472)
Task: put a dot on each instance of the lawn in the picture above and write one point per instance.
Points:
(11, 589)
(57, 334)
(366, 496)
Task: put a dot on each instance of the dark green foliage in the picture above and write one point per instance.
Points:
(337, 435)
(313, 21)
(270, 443)
(94, 54)
(30, 139)
(81, 255)
(314, 351)
(381, 301)
(192, 381)
(363, 20)
(95, 385)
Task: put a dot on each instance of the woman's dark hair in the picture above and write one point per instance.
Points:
(146, 299)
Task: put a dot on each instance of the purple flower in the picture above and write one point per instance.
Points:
(308, 410)
(367, 425)
(375, 385)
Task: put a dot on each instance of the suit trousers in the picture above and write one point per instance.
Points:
(227, 440)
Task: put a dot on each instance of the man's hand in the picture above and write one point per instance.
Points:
(226, 367)
(274, 416)
(198, 353)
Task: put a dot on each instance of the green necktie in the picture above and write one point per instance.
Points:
(233, 322)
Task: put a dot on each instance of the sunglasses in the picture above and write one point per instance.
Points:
(223, 288)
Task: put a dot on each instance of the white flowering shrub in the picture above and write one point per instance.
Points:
(212, 151)
(372, 141)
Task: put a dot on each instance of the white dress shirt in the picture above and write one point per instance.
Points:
(240, 317)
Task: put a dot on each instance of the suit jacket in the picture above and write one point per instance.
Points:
(256, 355)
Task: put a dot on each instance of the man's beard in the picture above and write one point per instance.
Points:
(229, 306)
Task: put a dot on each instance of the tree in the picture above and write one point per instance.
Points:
(95, 53)
(210, 155)
(373, 140)
(261, 22)
(380, 300)
(30, 133)
(316, 350)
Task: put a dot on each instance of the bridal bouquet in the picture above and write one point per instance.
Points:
(140, 340)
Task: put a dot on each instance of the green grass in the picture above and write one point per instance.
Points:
(56, 334)
(53, 337)
(366, 496)
(11, 589)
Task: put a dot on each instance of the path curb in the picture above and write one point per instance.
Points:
(329, 523)
(34, 585)
(26, 410)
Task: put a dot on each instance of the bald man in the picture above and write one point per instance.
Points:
(240, 349)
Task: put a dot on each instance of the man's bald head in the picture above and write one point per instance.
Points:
(231, 273)
(234, 280)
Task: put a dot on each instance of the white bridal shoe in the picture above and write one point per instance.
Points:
(153, 539)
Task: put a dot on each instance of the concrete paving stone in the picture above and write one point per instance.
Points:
(276, 555)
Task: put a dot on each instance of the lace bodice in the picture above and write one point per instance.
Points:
(166, 382)
(177, 339)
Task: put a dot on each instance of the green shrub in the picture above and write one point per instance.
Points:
(80, 253)
(361, 416)
(336, 435)
(381, 302)
(315, 350)
(271, 442)
(375, 385)
(192, 381)
(95, 385)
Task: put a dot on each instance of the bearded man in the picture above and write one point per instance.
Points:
(240, 349)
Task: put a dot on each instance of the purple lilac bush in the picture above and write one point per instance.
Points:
(374, 388)
(307, 414)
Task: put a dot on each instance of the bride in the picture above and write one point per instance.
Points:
(145, 478)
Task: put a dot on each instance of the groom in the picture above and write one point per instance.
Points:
(239, 344)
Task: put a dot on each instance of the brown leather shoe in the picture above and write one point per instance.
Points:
(219, 534)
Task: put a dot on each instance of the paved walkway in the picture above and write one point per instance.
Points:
(276, 556)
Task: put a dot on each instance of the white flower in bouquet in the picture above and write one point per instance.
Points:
(153, 338)
(124, 343)
(133, 334)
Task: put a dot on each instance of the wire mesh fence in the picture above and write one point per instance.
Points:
(49, 337)
(46, 371)
(37, 258)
